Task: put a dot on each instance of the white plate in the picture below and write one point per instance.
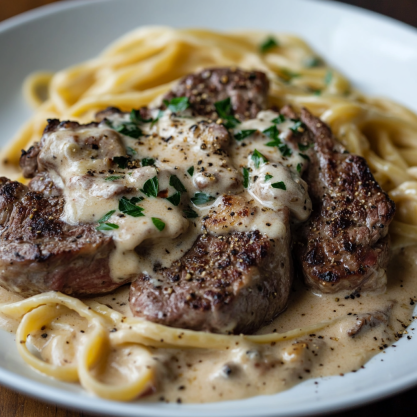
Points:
(377, 53)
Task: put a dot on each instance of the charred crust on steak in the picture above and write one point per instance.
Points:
(344, 245)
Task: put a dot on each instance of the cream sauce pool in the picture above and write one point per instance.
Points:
(246, 369)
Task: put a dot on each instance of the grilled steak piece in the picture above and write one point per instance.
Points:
(248, 91)
(344, 245)
(39, 252)
(232, 283)
(29, 161)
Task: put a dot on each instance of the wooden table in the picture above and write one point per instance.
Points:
(16, 405)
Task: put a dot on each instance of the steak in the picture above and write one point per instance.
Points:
(39, 252)
(344, 245)
(247, 90)
(232, 283)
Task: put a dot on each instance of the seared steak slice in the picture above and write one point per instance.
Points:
(248, 91)
(230, 283)
(344, 245)
(39, 252)
(29, 161)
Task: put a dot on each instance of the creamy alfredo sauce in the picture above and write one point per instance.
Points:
(246, 369)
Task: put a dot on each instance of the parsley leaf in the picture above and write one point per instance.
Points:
(280, 185)
(328, 78)
(224, 110)
(151, 187)
(272, 132)
(245, 177)
(190, 171)
(177, 104)
(159, 224)
(298, 125)
(175, 199)
(267, 177)
(175, 182)
(107, 226)
(268, 44)
(130, 151)
(135, 117)
(299, 166)
(129, 129)
(121, 161)
(243, 134)
(129, 207)
(106, 216)
(279, 119)
(257, 158)
(190, 214)
(303, 147)
(158, 116)
(304, 156)
(148, 162)
(201, 198)
(312, 62)
(113, 178)
(289, 75)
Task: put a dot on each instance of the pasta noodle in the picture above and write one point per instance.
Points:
(133, 72)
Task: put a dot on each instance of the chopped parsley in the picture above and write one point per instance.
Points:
(312, 62)
(273, 133)
(280, 185)
(190, 171)
(121, 161)
(158, 116)
(130, 208)
(175, 199)
(304, 156)
(135, 117)
(127, 128)
(224, 110)
(257, 158)
(113, 178)
(175, 182)
(298, 127)
(279, 119)
(106, 226)
(243, 134)
(130, 151)
(289, 75)
(267, 177)
(148, 162)
(245, 177)
(159, 224)
(177, 104)
(328, 78)
(151, 187)
(299, 166)
(303, 147)
(268, 44)
(201, 198)
(190, 214)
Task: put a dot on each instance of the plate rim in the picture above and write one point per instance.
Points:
(74, 401)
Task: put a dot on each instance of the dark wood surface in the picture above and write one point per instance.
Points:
(405, 404)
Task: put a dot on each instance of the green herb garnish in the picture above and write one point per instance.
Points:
(298, 125)
(273, 133)
(328, 78)
(243, 134)
(299, 166)
(303, 147)
(257, 158)
(175, 182)
(225, 111)
(106, 216)
(151, 187)
(312, 62)
(245, 177)
(113, 178)
(289, 75)
(190, 171)
(135, 117)
(190, 214)
(129, 129)
(177, 104)
(175, 199)
(304, 156)
(107, 226)
(130, 151)
(279, 119)
(121, 161)
(268, 44)
(158, 116)
(148, 162)
(267, 177)
(129, 207)
(201, 198)
(159, 224)
(280, 185)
